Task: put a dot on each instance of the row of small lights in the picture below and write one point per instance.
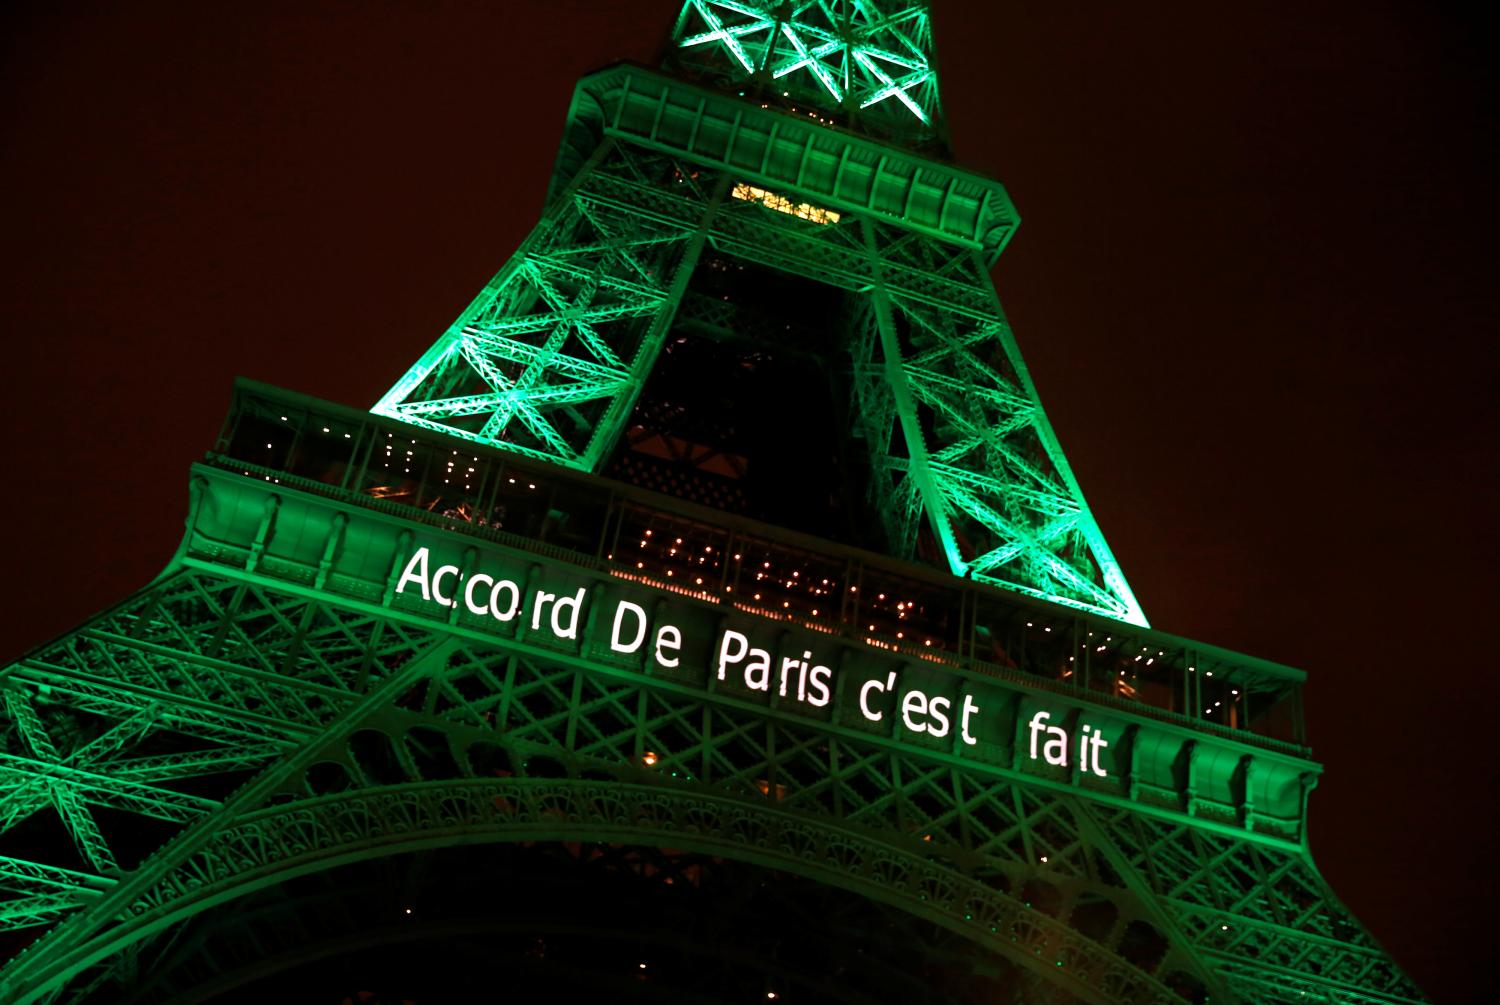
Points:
(823, 587)
(901, 606)
(271, 446)
(797, 111)
(466, 474)
(326, 429)
(1149, 660)
(1109, 638)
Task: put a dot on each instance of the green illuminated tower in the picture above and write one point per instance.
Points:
(811, 147)
(709, 614)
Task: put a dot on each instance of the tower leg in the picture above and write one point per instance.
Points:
(549, 358)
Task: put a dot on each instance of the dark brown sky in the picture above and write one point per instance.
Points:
(1254, 284)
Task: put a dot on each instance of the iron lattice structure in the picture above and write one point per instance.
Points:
(281, 749)
(239, 725)
(867, 65)
(550, 358)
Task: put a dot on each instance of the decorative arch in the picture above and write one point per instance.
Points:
(283, 841)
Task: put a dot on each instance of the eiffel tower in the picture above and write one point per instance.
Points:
(710, 613)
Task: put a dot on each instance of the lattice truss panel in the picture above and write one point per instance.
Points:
(943, 401)
(327, 736)
(1263, 916)
(1257, 913)
(549, 357)
(868, 61)
(137, 726)
(529, 751)
(955, 430)
(955, 427)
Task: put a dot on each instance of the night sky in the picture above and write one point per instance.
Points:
(1254, 283)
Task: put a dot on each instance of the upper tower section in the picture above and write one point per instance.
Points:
(760, 284)
(866, 65)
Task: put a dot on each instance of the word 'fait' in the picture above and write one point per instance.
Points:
(798, 676)
(1055, 747)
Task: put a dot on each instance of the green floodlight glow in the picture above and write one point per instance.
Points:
(894, 88)
(838, 55)
(811, 60)
(551, 357)
(718, 33)
(205, 741)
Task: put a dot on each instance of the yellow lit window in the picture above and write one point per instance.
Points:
(782, 204)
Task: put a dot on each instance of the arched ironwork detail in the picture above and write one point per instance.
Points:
(282, 841)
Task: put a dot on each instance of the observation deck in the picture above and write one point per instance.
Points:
(1188, 719)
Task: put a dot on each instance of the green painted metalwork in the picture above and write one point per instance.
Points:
(551, 356)
(867, 63)
(273, 707)
(191, 776)
(547, 360)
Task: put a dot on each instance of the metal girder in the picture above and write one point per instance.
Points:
(562, 339)
(291, 838)
(71, 806)
(38, 894)
(28, 794)
(461, 741)
(548, 360)
(953, 424)
(154, 712)
(239, 725)
(60, 957)
(1265, 917)
(869, 62)
(104, 790)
